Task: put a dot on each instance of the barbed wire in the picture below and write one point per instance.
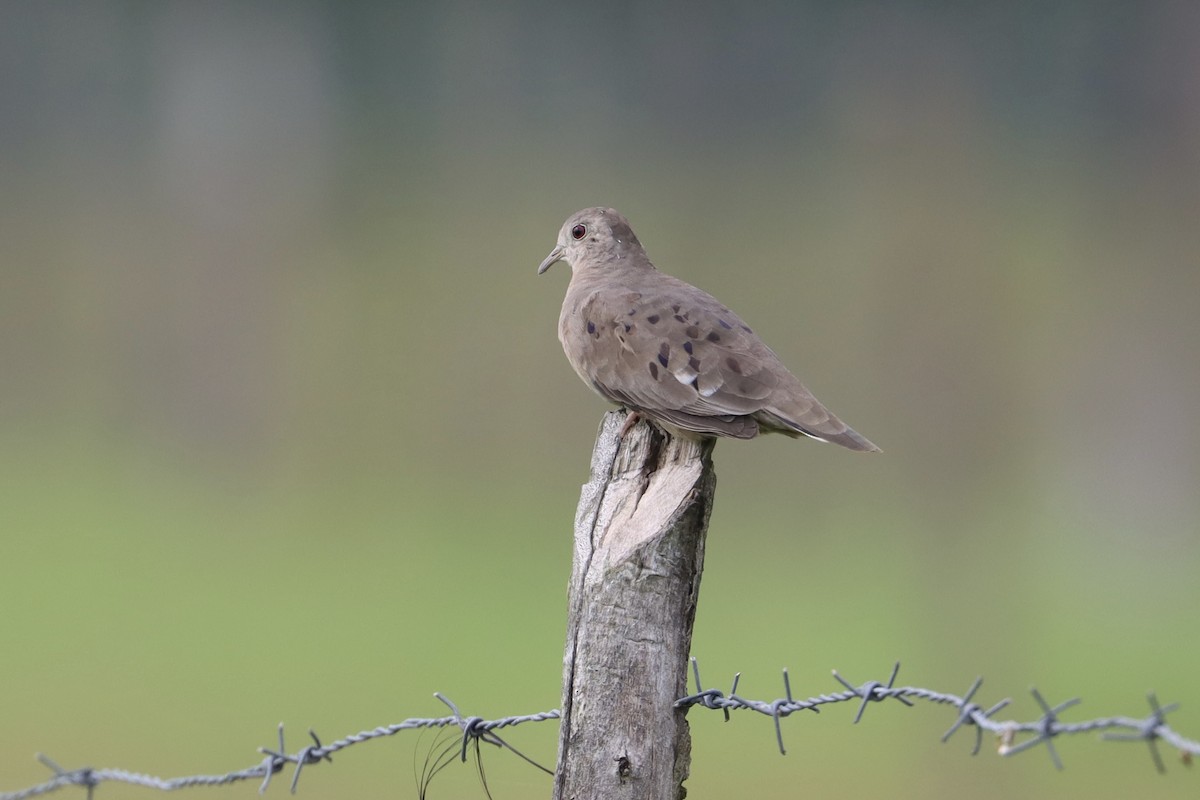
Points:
(1150, 729)
(473, 729)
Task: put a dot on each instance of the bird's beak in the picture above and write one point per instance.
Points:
(555, 255)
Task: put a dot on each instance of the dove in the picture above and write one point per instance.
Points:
(670, 352)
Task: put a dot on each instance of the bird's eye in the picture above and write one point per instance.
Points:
(578, 232)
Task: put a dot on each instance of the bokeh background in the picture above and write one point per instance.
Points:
(286, 432)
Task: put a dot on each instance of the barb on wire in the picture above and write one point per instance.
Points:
(1047, 728)
(967, 712)
(479, 729)
(1151, 729)
(873, 691)
(75, 777)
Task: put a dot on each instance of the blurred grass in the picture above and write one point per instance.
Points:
(285, 432)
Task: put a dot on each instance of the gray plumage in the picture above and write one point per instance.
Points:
(670, 351)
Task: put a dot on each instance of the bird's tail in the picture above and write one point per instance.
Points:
(818, 423)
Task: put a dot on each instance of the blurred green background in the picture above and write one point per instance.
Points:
(286, 432)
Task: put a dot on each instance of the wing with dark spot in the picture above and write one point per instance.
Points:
(686, 360)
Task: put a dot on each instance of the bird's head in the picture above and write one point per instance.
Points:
(595, 236)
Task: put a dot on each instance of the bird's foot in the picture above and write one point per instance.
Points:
(633, 419)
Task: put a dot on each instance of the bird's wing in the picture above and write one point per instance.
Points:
(676, 353)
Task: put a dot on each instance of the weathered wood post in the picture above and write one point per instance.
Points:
(639, 552)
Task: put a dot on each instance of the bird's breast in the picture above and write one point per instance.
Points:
(573, 334)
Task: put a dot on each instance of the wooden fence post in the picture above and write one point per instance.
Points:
(639, 553)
